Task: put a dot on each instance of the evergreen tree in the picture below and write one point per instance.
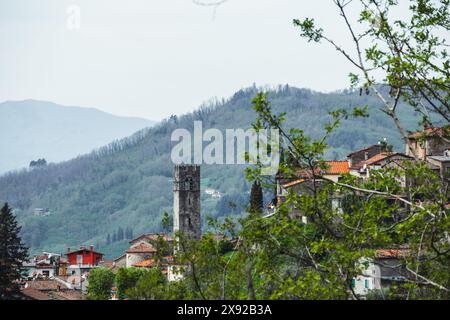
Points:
(120, 235)
(166, 222)
(12, 253)
(129, 233)
(256, 198)
(114, 237)
(108, 239)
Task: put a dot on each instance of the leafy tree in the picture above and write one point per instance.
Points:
(126, 279)
(152, 285)
(401, 63)
(38, 164)
(167, 222)
(409, 55)
(100, 284)
(12, 253)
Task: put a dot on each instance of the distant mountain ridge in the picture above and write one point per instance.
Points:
(33, 129)
(128, 183)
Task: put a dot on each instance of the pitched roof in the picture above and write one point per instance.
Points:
(35, 294)
(43, 284)
(121, 257)
(149, 263)
(83, 250)
(68, 295)
(337, 167)
(142, 248)
(429, 132)
(362, 150)
(145, 264)
(440, 158)
(378, 157)
(153, 237)
(383, 156)
(107, 264)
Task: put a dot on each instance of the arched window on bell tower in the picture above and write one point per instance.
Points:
(189, 184)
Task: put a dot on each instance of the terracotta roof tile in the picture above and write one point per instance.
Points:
(337, 167)
(142, 248)
(35, 294)
(145, 264)
(392, 253)
(362, 150)
(383, 156)
(43, 284)
(152, 237)
(429, 132)
(107, 264)
(378, 157)
(149, 263)
(68, 295)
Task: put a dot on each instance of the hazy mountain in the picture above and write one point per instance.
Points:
(31, 130)
(128, 184)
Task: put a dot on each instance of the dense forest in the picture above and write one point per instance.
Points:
(127, 184)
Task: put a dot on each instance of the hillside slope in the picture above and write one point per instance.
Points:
(128, 183)
(32, 130)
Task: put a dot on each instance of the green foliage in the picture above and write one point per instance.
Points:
(122, 184)
(167, 222)
(126, 279)
(12, 253)
(152, 285)
(101, 281)
(256, 198)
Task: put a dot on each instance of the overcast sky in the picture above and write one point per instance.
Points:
(154, 58)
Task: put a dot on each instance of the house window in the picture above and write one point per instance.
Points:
(79, 259)
(353, 282)
(366, 284)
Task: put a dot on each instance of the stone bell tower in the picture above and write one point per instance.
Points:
(186, 200)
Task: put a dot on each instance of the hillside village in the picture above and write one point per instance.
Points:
(66, 277)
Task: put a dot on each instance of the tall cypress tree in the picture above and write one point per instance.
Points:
(256, 198)
(120, 234)
(12, 253)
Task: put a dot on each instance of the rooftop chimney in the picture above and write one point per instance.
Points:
(68, 249)
(91, 248)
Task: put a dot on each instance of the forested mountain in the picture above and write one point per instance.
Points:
(127, 184)
(33, 130)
